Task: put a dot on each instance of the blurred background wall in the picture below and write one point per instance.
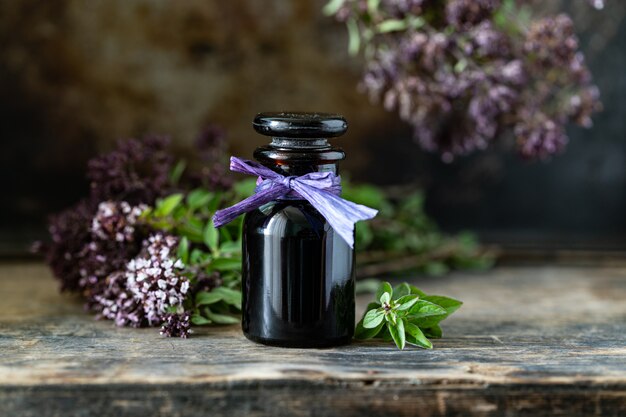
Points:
(76, 75)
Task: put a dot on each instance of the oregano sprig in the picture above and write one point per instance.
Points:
(211, 257)
(405, 314)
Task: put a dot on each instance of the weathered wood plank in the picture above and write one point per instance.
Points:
(527, 340)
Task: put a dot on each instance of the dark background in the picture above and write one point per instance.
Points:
(77, 75)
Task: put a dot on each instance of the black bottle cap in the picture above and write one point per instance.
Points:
(300, 130)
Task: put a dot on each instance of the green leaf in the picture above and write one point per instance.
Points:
(416, 22)
(196, 224)
(385, 298)
(397, 333)
(198, 320)
(365, 194)
(427, 321)
(436, 269)
(225, 264)
(460, 65)
(146, 214)
(384, 334)
(373, 318)
(196, 256)
(229, 296)
(395, 25)
(372, 6)
(406, 302)
(364, 235)
(449, 304)
(183, 250)
(433, 332)
(177, 172)
(415, 290)
(426, 314)
(176, 309)
(206, 298)
(166, 206)
(416, 337)
(424, 308)
(198, 198)
(402, 290)
(245, 188)
(384, 287)
(367, 286)
(221, 318)
(211, 236)
(225, 234)
(391, 25)
(332, 7)
(232, 246)
(363, 333)
(192, 228)
(214, 202)
(354, 38)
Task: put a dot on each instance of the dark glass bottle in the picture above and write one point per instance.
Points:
(298, 274)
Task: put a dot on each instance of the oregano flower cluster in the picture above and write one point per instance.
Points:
(128, 269)
(150, 290)
(462, 72)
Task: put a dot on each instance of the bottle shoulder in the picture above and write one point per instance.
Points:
(289, 217)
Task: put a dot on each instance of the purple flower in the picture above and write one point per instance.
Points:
(212, 171)
(487, 41)
(148, 289)
(551, 41)
(69, 232)
(137, 171)
(464, 14)
(461, 72)
(118, 304)
(402, 7)
(539, 136)
(116, 221)
(205, 282)
(115, 238)
(176, 325)
(155, 279)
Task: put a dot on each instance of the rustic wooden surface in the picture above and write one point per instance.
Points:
(528, 341)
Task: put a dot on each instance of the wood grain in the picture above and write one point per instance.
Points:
(528, 341)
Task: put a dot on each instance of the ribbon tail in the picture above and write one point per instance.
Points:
(227, 215)
(341, 214)
(252, 168)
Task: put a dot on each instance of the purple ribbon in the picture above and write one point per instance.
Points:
(321, 189)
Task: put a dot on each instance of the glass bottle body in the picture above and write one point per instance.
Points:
(298, 274)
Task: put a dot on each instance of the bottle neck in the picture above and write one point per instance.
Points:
(299, 162)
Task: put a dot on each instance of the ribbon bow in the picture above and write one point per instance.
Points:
(321, 189)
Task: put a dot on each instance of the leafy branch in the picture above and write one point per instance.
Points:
(212, 257)
(403, 238)
(411, 317)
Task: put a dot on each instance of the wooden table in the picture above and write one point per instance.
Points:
(528, 341)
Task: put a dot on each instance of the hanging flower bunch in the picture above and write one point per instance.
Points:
(461, 72)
